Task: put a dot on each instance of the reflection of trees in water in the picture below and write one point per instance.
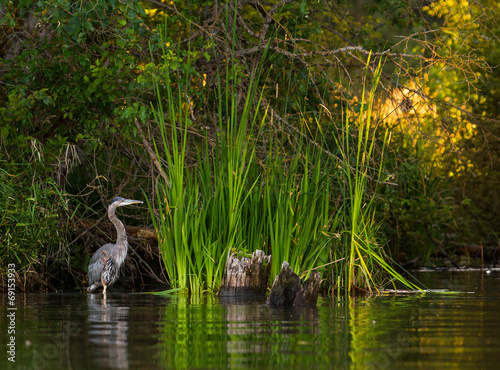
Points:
(107, 332)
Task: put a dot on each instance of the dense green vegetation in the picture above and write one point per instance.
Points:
(333, 141)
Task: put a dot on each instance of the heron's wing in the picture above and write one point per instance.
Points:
(97, 263)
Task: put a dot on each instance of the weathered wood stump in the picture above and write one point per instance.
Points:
(246, 276)
(287, 290)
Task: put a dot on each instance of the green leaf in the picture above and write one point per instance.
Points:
(120, 42)
(141, 79)
(73, 25)
(88, 26)
(4, 131)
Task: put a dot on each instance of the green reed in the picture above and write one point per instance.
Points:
(362, 255)
(298, 212)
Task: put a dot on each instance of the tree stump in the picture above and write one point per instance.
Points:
(287, 290)
(246, 277)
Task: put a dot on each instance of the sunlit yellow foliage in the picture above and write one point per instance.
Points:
(156, 13)
(458, 47)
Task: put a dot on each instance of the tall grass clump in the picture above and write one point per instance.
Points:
(244, 191)
(363, 258)
(230, 201)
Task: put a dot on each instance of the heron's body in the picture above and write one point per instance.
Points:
(105, 264)
(104, 269)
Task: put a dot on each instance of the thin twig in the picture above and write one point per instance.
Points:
(152, 154)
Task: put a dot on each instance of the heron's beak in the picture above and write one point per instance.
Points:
(127, 202)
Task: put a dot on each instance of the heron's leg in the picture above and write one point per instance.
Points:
(104, 285)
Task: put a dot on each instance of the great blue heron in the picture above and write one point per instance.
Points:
(104, 266)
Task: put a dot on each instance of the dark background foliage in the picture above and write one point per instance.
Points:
(76, 91)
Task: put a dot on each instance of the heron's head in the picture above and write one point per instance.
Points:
(120, 202)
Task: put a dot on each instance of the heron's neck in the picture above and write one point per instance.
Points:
(121, 235)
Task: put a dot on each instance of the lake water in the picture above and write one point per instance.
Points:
(143, 331)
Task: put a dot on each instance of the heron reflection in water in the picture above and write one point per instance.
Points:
(104, 266)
